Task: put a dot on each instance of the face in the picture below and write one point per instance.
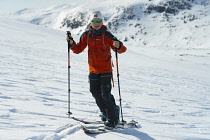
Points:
(96, 24)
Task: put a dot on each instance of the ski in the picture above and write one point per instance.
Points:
(100, 129)
(87, 122)
(92, 131)
(97, 127)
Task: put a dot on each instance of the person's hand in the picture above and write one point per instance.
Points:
(69, 39)
(116, 44)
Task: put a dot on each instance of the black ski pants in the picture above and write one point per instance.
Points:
(100, 87)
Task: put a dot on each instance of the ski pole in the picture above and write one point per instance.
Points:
(118, 78)
(69, 90)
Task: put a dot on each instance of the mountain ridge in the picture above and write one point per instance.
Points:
(145, 24)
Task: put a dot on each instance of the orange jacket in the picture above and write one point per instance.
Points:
(100, 43)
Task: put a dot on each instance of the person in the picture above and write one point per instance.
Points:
(100, 42)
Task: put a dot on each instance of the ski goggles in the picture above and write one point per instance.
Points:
(96, 20)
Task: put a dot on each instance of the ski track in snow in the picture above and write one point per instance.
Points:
(166, 95)
(60, 133)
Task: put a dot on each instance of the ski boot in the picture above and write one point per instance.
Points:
(103, 117)
(110, 124)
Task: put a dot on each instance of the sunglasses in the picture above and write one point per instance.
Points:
(97, 20)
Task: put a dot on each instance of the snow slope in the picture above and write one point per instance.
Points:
(165, 90)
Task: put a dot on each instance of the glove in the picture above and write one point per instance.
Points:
(70, 39)
(117, 44)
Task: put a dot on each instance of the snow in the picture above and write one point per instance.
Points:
(165, 89)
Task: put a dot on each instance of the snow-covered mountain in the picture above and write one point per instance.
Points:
(164, 75)
(170, 24)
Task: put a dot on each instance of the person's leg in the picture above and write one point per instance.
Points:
(105, 80)
(95, 89)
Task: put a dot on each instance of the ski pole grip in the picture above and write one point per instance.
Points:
(68, 33)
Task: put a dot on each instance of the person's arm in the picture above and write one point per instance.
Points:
(115, 43)
(79, 47)
(119, 46)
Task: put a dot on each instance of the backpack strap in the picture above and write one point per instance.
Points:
(88, 36)
(103, 37)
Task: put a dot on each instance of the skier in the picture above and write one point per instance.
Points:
(100, 42)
